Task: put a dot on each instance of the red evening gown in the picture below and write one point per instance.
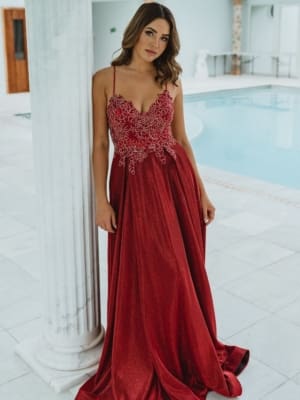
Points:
(161, 340)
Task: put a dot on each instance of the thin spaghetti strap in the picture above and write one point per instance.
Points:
(114, 81)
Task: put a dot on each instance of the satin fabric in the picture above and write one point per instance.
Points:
(161, 338)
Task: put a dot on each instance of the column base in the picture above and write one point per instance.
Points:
(235, 72)
(59, 380)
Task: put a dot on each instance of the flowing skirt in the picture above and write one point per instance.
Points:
(161, 338)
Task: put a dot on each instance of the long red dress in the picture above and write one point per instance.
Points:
(161, 341)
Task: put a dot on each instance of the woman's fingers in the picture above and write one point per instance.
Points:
(107, 227)
(208, 214)
(108, 222)
(205, 216)
(211, 214)
(114, 220)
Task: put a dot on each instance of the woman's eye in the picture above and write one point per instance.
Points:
(149, 33)
(165, 39)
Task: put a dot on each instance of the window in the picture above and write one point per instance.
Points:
(19, 39)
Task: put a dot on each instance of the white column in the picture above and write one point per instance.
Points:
(297, 72)
(60, 43)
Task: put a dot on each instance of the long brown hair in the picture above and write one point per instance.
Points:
(167, 68)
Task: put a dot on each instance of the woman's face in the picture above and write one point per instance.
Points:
(153, 40)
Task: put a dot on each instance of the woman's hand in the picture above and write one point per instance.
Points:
(208, 209)
(106, 217)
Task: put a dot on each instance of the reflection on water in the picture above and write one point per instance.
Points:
(255, 132)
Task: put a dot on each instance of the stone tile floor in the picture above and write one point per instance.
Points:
(253, 261)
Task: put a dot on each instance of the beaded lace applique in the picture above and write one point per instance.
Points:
(135, 134)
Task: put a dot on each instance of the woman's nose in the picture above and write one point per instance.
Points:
(155, 42)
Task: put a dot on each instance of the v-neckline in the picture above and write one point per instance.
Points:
(158, 96)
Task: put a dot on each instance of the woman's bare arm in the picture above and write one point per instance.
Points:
(100, 138)
(105, 215)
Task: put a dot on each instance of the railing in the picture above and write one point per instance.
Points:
(250, 58)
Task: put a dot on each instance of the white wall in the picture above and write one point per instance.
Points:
(276, 34)
(289, 30)
(201, 24)
(5, 3)
(262, 32)
(110, 19)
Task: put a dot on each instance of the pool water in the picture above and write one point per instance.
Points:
(253, 132)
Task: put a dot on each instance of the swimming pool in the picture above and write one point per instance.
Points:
(253, 132)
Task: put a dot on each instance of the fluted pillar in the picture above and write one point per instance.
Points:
(236, 37)
(60, 42)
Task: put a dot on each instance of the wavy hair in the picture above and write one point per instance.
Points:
(167, 68)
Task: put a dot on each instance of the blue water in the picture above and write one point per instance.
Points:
(253, 132)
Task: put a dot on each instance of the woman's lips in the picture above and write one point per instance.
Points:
(153, 53)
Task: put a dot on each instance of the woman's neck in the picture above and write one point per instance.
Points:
(141, 66)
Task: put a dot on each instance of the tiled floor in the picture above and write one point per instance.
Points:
(253, 261)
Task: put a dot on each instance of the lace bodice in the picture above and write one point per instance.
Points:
(136, 134)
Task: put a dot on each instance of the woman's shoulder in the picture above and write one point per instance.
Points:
(101, 75)
(103, 80)
(175, 88)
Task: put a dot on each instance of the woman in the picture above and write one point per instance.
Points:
(160, 341)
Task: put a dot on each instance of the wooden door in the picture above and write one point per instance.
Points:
(15, 46)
